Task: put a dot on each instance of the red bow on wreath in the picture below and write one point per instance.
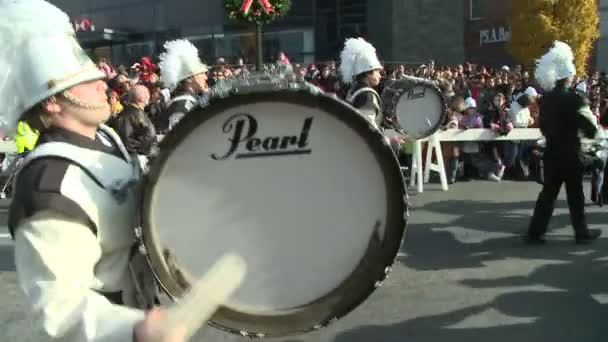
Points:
(264, 3)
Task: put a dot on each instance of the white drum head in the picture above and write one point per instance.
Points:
(303, 195)
(417, 104)
(420, 111)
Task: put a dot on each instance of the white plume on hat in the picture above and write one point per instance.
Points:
(357, 57)
(179, 62)
(39, 56)
(555, 65)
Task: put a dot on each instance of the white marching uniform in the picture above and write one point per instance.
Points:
(74, 234)
(178, 107)
(367, 101)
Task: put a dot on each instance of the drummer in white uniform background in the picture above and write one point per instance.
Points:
(185, 75)
(360, 68)
(72, 236)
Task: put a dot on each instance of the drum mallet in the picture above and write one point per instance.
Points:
(206, 295)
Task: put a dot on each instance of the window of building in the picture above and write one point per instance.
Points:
(475, 9)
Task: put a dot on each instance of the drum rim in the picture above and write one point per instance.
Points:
(362, 281)
(396, 96)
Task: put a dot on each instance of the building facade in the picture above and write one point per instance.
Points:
(126, 30)
(601, 53)
(414, 32)
(487, 32)
(314, 30)
(410, 32)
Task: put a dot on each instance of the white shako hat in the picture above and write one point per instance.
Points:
(357, 57)
(39, 56)
(555, 65)
(179, 62)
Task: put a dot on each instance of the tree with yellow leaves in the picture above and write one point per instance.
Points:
(536, 24)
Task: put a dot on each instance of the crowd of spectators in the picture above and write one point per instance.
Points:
(477, 96)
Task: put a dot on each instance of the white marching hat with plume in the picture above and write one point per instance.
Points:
(555, 65)
(179, 62)
(39, 56)
(357, 57)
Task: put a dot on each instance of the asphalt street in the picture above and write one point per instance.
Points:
(464, 276)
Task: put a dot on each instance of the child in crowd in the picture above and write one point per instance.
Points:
(475, 163)
(517, 153)
(451, 150)
(497, 119)
(470, 149)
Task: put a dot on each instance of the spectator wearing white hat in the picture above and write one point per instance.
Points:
(516, 151)
(520, 108)
(470, 149)
(476, 163)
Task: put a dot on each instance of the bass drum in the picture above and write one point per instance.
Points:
(295, 182)
(417, 104)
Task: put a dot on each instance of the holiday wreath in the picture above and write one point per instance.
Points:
(257, 11)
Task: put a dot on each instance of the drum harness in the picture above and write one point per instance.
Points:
(118, 188)
(396, 126)
(393, 123)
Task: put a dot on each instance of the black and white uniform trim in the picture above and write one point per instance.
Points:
(72, 218)
(368, 102)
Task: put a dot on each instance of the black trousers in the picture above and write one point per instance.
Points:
(558, 171)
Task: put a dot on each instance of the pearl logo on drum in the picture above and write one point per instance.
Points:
(243, 142)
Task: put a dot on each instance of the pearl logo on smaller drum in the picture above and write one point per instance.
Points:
(416, 93)
(243, 142)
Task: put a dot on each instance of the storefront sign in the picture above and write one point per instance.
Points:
(493, 35)
(83, 25)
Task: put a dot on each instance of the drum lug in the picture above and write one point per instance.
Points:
(252, 335)
(142, 249)
(138, 232)
(378, 284)
(408, 205)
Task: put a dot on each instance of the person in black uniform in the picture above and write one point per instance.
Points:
(186, 77)
(564, 115)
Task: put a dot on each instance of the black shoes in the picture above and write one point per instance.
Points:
(534, 240)
(581, 239)
(588, 236)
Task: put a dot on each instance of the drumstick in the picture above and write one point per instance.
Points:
(206, 295)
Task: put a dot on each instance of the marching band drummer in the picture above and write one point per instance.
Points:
(361, 68)
(565, 116)
(186, 77)
(72, 233)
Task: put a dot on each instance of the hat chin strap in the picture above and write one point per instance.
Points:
(79, 103)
